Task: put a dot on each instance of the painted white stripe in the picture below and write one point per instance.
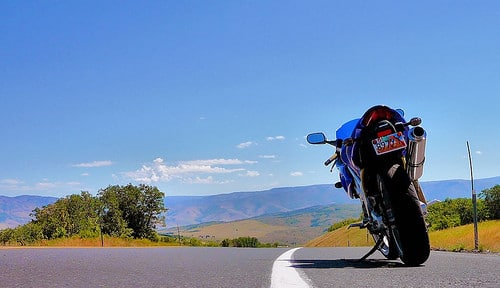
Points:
(284, 275)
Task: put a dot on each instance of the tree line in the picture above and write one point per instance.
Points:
(247, 242)
(453, 212)
(456, 212)
(118, 211)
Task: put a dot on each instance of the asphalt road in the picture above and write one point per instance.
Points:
(137, 267)
(236, 267)
(337, 267)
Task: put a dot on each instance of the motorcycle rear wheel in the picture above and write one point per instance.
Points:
(410, 231)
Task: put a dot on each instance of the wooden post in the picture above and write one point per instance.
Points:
(474, 201)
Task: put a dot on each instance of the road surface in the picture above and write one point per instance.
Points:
(238, 267)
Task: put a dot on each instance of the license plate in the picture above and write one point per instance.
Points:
(389, 143)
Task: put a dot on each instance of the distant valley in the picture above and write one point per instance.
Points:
(291, 228)
(188, 210)
(268, 207)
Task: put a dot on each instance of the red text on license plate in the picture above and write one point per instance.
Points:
(389, 143)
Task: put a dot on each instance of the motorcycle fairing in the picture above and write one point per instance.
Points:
(347, 165)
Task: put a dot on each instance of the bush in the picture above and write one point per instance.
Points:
(251, 242)
(28, 234)
(491, 199)
(454, 212)
(7, 236)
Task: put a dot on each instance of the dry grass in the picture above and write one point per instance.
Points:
(454, 239)
(462, 238)
(234, 229)
(266, 233)
(343, 237)
(96, 242)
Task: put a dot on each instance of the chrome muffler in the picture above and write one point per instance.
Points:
(416, 152)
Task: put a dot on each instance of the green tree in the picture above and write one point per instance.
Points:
(225, 243)
(69, 216)
(123, 211)
(83, 215)
(112, 219)
(454, 212)
(138, 208)
(7, 235)
(491, 199)
(51, 219)
(28, 233)
(246, 242)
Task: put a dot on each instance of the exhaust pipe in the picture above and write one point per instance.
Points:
(416, 152)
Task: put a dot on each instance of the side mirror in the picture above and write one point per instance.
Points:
(316, 138)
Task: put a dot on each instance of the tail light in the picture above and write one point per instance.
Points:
(384, 133)
(377, 114)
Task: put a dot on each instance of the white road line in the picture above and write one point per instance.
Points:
(284, 275)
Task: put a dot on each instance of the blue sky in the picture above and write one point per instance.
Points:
(209, 97)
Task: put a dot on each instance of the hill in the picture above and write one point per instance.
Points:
(453, 239)
(16, 210)
(188, 210)
(295, 227)
(443, 189)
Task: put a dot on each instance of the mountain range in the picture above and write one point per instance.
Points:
(16, 210)
(190, 210)
(288, 228)
(187, 210)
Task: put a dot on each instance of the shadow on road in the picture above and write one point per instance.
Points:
(345, 263)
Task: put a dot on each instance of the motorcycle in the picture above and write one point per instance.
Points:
(380, 158)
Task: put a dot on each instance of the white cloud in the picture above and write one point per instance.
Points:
(206, 180)
(185, 171)
(44, 185)
(479, 152)
(272, 138)
(252, 174)
(94, 164)
(296, 174)
(10, 182)
(267, 156)
(198, 180)
(246, 144)
(73, 183)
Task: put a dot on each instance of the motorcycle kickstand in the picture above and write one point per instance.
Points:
(375, 247)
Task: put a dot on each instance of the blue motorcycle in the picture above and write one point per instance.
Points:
(380, 158)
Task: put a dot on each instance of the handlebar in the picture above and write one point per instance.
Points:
(320, 138)
(331, 159)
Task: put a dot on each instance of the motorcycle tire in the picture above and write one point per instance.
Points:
(410, 231)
